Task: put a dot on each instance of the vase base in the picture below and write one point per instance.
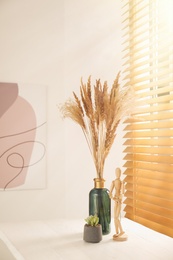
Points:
(104, 233)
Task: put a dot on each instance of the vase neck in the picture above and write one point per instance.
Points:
(99, 183)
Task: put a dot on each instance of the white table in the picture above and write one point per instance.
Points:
(7, 249)
(63, 240)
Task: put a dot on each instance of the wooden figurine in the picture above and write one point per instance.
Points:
(116, 194)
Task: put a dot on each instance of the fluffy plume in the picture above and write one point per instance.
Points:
(98, 112)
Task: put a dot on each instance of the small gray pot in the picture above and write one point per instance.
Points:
(92, 234)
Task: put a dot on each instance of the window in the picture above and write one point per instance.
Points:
(148, 67)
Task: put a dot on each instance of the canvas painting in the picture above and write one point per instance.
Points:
(22, 136)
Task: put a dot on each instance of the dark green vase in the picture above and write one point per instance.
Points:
(100, 204)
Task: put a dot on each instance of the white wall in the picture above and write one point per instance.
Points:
(55, 43)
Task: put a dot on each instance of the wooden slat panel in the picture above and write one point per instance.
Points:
(147, 133)
(150, 117)
(164, 221)
(144, 70)
(149, 174)
(129, 194)
(165, 204)
(150, 142)
(167, 222)
(149, 158)
(155, 184)
(155, 209)
(133, 68)
(152, 84)
(165, 194)
(149, 150)
(150, 166)
(153, 125)
(150, 224)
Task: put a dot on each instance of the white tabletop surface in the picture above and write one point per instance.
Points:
(63, 240)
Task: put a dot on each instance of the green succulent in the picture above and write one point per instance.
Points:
(92, 220)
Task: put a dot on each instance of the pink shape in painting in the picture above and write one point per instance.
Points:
(17, 136)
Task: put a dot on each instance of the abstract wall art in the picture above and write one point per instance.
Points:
(22, 136)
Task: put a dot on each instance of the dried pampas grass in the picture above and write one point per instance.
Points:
(98, 112)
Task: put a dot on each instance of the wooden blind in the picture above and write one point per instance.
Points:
(148, 67)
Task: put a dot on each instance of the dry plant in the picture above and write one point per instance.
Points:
(98, 112)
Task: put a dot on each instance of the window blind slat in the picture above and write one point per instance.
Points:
(144, 134)
(149, 174)
(144, 70)
(162, 115)
(150, 84)
(168, 204)
(152, 125)
(149, 166)
(159, 184)
(155, 226)
(166, 222)
(150, 142)
(157, 108)
(162, 211)
(151, 158)
(166, 194)
(150, 150)
(162, 95)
